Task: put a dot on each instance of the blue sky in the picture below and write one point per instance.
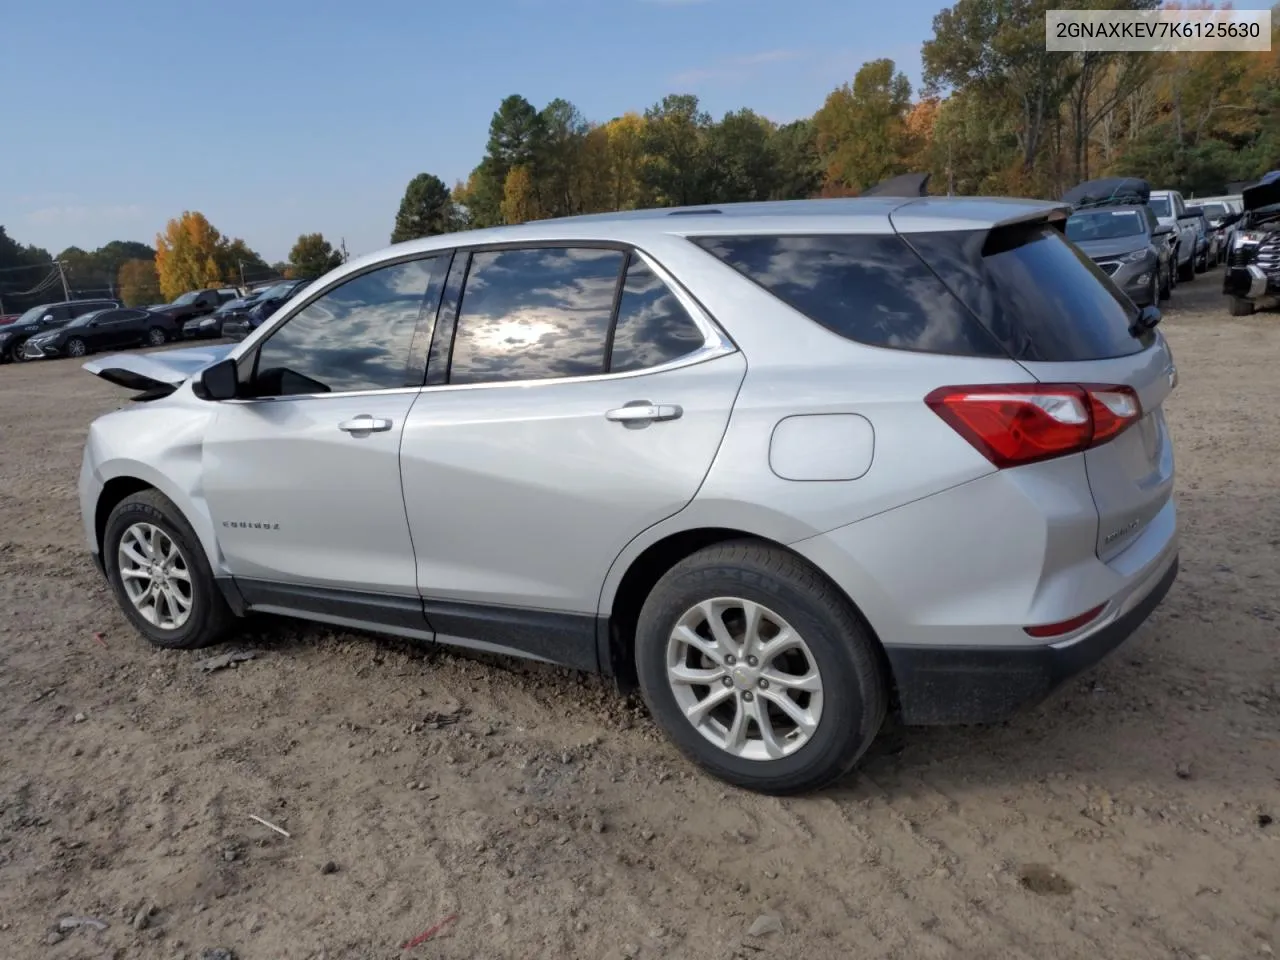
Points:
(281, 117)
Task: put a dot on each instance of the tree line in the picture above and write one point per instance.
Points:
(996, 114)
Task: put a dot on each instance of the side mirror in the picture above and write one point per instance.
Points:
(219, 382)
(1148, 317)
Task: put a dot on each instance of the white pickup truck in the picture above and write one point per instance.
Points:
(1170, 209)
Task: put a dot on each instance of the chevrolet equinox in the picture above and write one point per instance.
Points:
(786, 466)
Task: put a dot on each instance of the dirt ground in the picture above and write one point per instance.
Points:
(1130, 817)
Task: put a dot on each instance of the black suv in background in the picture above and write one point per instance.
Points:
(195, 304)
(268, 302)
(47, 316)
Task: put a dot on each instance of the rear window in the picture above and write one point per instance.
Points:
(866, 287)
(1040, 296)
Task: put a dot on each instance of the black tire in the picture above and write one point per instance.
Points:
(854, 687)
(76, 347)
(1188, 272)
(210, 617)
(156, 337)
(1240, 307)
(1166, 285)
(1153, 292)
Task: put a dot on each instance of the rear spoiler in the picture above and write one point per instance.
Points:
(155, 374)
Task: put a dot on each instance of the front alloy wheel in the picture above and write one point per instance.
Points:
(75, 347)
(156, 576)
(744, 678)
(156, 337)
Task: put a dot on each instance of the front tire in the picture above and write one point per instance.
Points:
(1187, 271)
(758, 669)
(1166, 284)
(160, 575)
(76, 347)
(156, 337)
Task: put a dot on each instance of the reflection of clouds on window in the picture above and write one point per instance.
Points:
(653, 328)
(535, 314)
(866, 287)
(357, 336)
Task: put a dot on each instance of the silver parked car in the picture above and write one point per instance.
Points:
(785, 466)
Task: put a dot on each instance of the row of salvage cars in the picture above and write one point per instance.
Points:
(74, 328)
(1147, 241)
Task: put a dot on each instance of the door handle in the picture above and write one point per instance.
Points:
(640, 412)
(365, 424)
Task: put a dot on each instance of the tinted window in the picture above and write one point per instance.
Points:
(358, 336)
(1161, 206)
(535, 314)
(1040, 296)
(652, 327)
(866, 287)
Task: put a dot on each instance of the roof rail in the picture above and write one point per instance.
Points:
(693, 213)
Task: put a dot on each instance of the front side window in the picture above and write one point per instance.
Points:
(653, 327)
(535, 314)
(358, 336)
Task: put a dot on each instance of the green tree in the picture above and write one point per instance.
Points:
(674, 169)
(796, 163)
(425, 211)
(557, 146)
(313, 256)
(514, 133)
(741, 162)
(861, 130)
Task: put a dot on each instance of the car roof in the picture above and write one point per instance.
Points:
(1131, 207)
(844, 214)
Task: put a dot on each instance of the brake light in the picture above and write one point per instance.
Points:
(1014, 424)
(1064, 626)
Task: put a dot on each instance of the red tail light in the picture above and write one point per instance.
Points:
(1013, 424)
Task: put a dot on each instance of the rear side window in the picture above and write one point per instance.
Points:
(535, 314)
(652, 327)
(1041, 297)
(866, 287)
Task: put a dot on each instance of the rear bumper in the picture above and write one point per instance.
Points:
(950, 685)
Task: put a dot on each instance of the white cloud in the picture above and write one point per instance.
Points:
(735, 68)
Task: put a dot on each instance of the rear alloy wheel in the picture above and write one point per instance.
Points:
(759, 669)
(76, 347)
(156, 337)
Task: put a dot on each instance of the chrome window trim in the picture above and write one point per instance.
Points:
(715, 344)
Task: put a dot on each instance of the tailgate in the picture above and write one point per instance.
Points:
(1131, 476)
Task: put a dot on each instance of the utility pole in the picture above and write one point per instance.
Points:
(62, 273)
(241, 264)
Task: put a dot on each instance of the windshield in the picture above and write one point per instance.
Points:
(1104, 225)
(1161, 206)
(1215, 211)
(188, 297)
(84, 318)
(276, 292)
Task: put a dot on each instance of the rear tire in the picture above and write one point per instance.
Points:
(179, 609)
(1187, 272)
(156, 337)
(1166, 285)
(1240, 307)
(831, 677)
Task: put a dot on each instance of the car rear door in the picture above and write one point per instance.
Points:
(583, 400)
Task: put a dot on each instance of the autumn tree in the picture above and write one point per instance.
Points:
(861, 128)
(190, 255)
(519, 199)
(425, 211)
(313, 255)
(138, 283)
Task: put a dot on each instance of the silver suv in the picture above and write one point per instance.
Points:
(786, 466)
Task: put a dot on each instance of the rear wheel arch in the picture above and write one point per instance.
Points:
(644, 572)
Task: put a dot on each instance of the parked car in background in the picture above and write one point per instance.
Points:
(1208, 238)
(99, 330)
(195, 304)
(660, 444)
(8, 318)
(1118, 230)
(1222, 213)
(211, 326)
(45, 317)
(1252, 279)
(1171, 210)
(1122, 241)
(267, 302)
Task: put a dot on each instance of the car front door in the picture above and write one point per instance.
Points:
(583, 400)
(302, 475)
(111, 329)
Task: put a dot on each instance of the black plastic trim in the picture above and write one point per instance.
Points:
(568, 639)
(231, 593)
(372, 608)
(952, 685)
